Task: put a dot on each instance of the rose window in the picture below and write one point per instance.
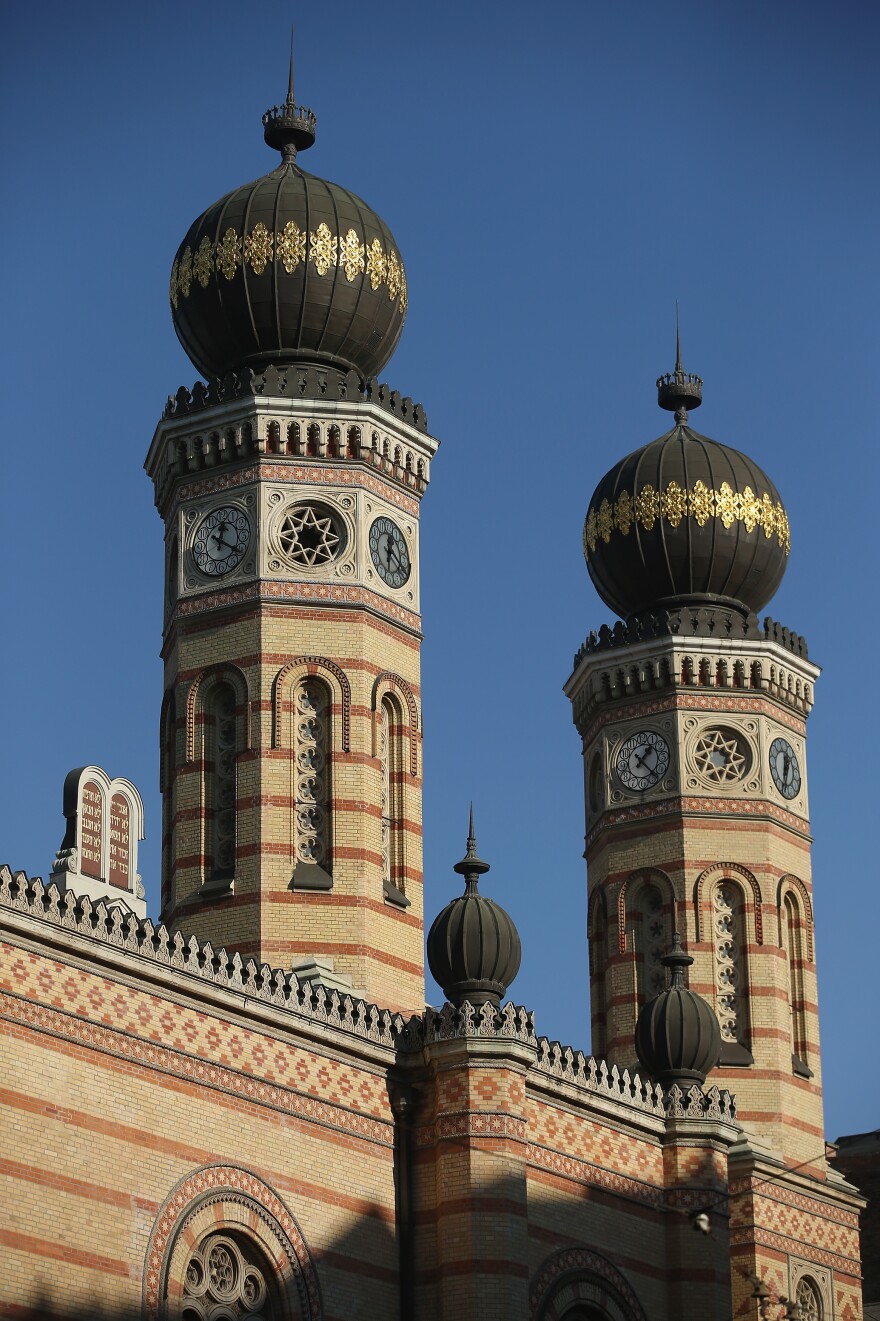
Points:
(807, 1298)
(225, 1281)
(311, 535)
(721, 756)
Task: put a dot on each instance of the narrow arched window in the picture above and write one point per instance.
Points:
(391, 763)
(793, 948)
(167, 776)
(648, 939)
(598, 944)
(312, 813)
(220, 781)
(809, 1300)
(731, 974)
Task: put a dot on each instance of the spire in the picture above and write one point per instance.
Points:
(678, 366)
(289, 128)
(677, 960)
(471, 866)
(679, 390)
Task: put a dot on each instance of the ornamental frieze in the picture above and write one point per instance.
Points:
(290, 248)
(646, 507)
(297, 473)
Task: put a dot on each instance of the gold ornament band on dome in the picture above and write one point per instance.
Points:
(676, 503)
(291, 247)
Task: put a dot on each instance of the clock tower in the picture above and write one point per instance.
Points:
(693, 717)
(290, 486)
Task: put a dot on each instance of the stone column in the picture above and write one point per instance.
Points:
(471, 1157)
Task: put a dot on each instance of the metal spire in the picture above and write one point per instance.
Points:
(290, 96)
(678, 366)
(471, 866)
(679, 390)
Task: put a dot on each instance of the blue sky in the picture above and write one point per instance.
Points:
(556, 175)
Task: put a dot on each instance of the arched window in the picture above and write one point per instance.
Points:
(597, 928)
(809, 1300)
(731, 974)
(167, 769)
(649, 939)
(220, 784)
(391, 762)
(793, 948)
(311, 711)
(229, 1276)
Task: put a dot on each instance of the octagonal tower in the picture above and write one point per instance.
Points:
(290, 484)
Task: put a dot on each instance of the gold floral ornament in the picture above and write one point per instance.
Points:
(376, 264)
(725, 504)
(203, 262)
(590, 536)
(258, 248)
(185, 274)
(351, 255)
(172, 292)
(228, 256)
(290, 246)
(392, 274)
(702, 502)
(647, 507)
(404, 298)
(676, 503)
(673, 504)
(751, 509)
(623, 512)
(605, 521)
(322, 249)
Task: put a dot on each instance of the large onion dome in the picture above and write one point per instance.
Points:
(288, 269)
(678, 1039)
(473, 945)
(685, 521)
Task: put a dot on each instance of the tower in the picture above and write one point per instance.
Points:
(693, 721)
(290, 486)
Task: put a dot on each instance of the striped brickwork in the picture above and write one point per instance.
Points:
(155, 1092)
(685, 838)
(270, 626)
(119, 1088)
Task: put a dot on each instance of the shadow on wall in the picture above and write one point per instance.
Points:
(218, 1266)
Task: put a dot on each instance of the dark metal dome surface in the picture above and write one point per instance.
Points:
(474, 950)
(289, 268)
(678, 1039)
(685, 520)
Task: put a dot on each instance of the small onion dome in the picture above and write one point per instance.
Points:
(685, 521)
(473, 946)
(678, 1039)
(288, 269)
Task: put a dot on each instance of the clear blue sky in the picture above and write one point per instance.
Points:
(556, 175)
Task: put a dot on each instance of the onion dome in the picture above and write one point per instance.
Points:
(685, 521)
(473, 946)
(678, 1039)
(288, 269)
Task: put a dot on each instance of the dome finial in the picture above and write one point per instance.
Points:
(678, 1039)
(289, 128)
(471, 866)
(677, 959)
(679, 390)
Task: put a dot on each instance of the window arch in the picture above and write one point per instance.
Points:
(578, 1284)
(792, 940)
(809, 1300)
(392, 775)
(231, 1213)
(649, 936)
(311, 741)
(728, 918)
(220, 779)
(597, 934)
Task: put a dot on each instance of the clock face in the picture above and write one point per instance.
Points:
(389, 553)
(221, 540)
(784, 768)
(643, 760)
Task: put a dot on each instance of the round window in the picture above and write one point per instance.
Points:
(311, 534)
